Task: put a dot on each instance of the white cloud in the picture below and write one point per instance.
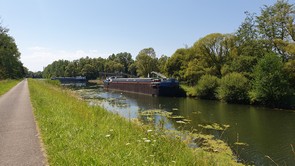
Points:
(36, 58)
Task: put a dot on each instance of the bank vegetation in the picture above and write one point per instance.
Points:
(254, 65)
(75, 133)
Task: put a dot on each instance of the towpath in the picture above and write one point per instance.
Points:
(19, 142)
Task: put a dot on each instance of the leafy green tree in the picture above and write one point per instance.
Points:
(289, 68)
(149, 52)
(214, 49)
(146, 62)
(270, 85)
(177, 63)
(56, 69)
(162, 64)
(113, 67)
(241, 64)
(89, 71)
(72, 69)
(123, 58)
(247, 39)
(10, 64)
(276, 25)
(234, 88)
(207, 87)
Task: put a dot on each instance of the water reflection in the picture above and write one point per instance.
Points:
(266, 131)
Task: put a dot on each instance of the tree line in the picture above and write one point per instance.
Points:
(10, 64)
(255, 64)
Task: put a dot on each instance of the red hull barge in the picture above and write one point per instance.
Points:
(148, 86)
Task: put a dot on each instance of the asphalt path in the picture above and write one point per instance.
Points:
(19, 141)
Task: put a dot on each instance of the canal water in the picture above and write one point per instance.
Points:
(267, 134)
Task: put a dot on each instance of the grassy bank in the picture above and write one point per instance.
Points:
(6, 85)
(77, 134)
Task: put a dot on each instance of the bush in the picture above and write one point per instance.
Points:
(206, 87)
(234, 88)
(270, 85)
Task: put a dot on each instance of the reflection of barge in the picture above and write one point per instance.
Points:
(149, 86)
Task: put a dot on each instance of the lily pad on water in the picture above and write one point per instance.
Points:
(214, 126)
(155, 112)
(181, 122)
(177, 117)
(241, 144)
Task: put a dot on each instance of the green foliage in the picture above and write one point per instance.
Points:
(6, 85)
(53, 82)
(271, 31)
(189, 90)
(176, 63)
(214, 50)
(289, 68)
(124, 59)
(146, 62)
(10, 65)
(162, 62)
(247, 40)
(270, 85)
(77, 134)
(277, 26)
(241, 64)
(113, 67)
(234, 88)
(207, 86)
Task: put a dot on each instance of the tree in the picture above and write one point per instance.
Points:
(177, 63)
(89, 71)
(214, 49)
(146, 62)
(207, 87)
(289, 68)
(113, 67)
(247, 39)
(270, 85)
(162, 63)
(276, 25)
(234, 88)
(149, 52)
(123, 58)
(10, 64)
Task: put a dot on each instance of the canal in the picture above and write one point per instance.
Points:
(267, 134)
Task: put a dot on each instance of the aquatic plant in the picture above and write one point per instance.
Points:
(215, 126)
(75, 133)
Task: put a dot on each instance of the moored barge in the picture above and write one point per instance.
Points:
(148, 86)
(71, 81)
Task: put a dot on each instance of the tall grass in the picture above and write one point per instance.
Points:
(77, 134)
(6, 85)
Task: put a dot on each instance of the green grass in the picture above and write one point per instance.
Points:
(6, 85)
(74, 133)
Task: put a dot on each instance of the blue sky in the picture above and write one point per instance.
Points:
(48, 30)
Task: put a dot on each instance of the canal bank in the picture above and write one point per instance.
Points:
(261, 131)
(75, 133)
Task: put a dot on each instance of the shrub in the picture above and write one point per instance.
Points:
(270, 85)
(234, 88)
(206, 87)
